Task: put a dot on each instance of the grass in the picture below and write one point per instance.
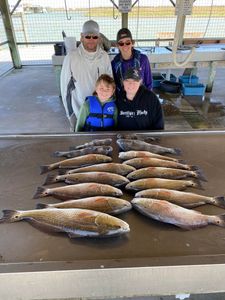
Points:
(156, 12)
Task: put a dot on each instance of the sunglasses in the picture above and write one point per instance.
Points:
(121, 44)
(88, 37)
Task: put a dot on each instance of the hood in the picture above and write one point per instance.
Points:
(91, 56)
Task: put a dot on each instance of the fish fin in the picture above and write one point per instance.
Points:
(69, 181)
(51, 178)
(194, 168)
(177, 151)
(73, 235)
(186, 227)
(198, 185)
(40, 192)
(150, 139)
(43, 226)
(41, 205)
(44, 169)
(200, 175)
(57, 154)
(9, 216)
(219, 201)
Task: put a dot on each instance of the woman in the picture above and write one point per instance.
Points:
(129, 57)
(138, 107)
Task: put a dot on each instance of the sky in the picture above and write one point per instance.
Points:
(94, 3)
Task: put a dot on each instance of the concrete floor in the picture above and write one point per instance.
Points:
(29, 103)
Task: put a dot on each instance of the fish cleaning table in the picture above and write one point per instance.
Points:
(153, 259)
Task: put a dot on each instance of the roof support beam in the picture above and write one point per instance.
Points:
(4, 7)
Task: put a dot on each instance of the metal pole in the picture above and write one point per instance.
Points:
(4, 7)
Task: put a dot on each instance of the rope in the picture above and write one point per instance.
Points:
(209, 19)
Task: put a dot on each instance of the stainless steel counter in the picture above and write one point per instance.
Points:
(153, 259)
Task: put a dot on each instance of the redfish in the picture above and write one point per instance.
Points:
(77, 191)
(120, 169)
(98, 177)
(96, 142)
(127, 145)
(85, 160)
(149, 183)
(161, 172)
(166, 212)
(133, 154)
(105, 150)
(109, 205)
(74, 222)
(142, 162)
(184, 199)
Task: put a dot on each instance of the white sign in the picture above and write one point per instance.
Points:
(125, 6)
(184, 7)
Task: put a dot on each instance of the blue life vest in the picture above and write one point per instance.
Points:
(100, 117)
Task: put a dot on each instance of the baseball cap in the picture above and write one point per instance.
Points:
(123, 33)
(90, 27)
(132, 73)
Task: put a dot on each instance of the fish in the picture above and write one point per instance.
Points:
(96, 142)
(98, 177)
(77, 191)
(127, 145)
(150, 183)
(161, 172)
(76, 162)
(167, 212)
(105, 150)
(142, 162)
(134, 136)
(184, 199)
(108, 205)
(74, 222)
(120, 169)
(133, 154)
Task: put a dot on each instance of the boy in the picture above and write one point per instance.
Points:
(99, 112)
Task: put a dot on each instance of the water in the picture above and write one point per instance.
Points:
(47, 27)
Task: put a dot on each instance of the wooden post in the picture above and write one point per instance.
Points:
(4, 7)
(124, 20)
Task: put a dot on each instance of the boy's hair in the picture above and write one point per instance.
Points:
(107, 79)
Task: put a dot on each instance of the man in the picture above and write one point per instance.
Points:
(81, 69)
(138, 107)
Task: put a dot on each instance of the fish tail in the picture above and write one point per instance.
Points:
(197, 184)
(57, 154)
(45, 169)
(51, 178)
(200, 175)
(41, 205)
(62, 172)
(194, 168)
(150, 139)
(72, 148)
(181, 161)
(219, 220)
(219, 201)
(9, 216)
(41, 192)
(176, 151)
